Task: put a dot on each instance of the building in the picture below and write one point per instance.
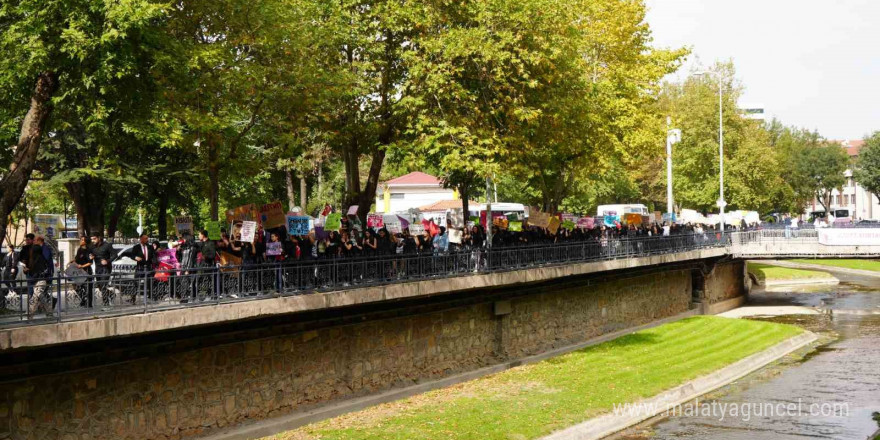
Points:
(413, 190)
(860, 203)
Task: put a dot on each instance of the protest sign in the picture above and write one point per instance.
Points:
(455, 217)
(632, 219)
(374, 221)
(273, 248)
(416, 229)
(568, 224)
(554, 224)
(501, 222)
(297, 225)
(184, 225)
(455, 236)
(213, 229)
(514, 226)
(243, 213)
(333, 222)
(586, 223)
(168, 256)
(539, 219)
(248, 231)
(568, 218)
(272, 215)
(49, 225)
(658, 216)
(393, 226)
(353, 211)
(321, 233)
(611, 220)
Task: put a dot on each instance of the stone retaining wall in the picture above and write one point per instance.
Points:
(190, 393)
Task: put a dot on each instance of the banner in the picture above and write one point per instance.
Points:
(849, 237)
(374, 221)
(213, 229)
(586, 223)
(49, 225)
(272, 215)
(298, 225)
(184, 225)
(246, 213)
(333, 222)
(248, 231)
(514, 226)
(273, 248)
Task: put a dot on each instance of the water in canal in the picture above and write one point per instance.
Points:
(828, 393)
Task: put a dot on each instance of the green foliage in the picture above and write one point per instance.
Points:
(824, 166)
(867, 166)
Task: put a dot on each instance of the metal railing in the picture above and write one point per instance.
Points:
(60, 298)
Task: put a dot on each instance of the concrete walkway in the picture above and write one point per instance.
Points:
(640, 411)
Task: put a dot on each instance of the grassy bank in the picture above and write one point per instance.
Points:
(848, 264)
(531, 401)
(765, 272)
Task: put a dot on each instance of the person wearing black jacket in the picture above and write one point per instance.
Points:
(83, 261)
(145, 258)
(102, 255)
(208, 249)
(36, 268)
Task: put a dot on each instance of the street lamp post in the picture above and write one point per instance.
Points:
(721, 202)
(673, 136)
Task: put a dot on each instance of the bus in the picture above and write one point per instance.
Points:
(620, 210)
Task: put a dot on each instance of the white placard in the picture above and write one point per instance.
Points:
(849, 237)
(454, 236)
(248, 231)
(416, 229)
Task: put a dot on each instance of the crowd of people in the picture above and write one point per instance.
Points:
(182, 267)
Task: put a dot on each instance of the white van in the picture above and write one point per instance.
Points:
(620, 210)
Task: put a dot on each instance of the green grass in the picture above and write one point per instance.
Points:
(766, 272)
(534, 400)
(849, 264)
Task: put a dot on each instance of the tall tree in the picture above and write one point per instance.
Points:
(867, 167)
(54, 53)
(824, 166)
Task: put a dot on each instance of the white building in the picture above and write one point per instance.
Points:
(413, 190)
(860, 203)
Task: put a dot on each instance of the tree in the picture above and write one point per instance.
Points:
(55, 52)
(825, 166)
(867, 167)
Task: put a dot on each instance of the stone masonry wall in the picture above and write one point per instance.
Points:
(182, 395)
(726, 281)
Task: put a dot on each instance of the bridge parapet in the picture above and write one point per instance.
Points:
(775, 244)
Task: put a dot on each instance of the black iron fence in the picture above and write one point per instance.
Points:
(50, 299)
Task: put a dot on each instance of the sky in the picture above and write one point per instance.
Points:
(814, 64)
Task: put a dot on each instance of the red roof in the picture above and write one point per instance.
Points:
(415, 178)
(852, 147)
(443, 205)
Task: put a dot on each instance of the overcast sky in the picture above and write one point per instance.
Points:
(811, 63)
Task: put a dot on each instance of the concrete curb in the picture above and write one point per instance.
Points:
(608, 424)
(268, 427)
(801, 282)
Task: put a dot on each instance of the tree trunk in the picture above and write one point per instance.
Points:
(89, 197)
(162, 221)
(213, 181)
(115, 214)
(291, 192)
(28, 147)
(303, 195)
(464, 191)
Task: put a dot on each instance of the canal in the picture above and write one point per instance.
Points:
(827, 393)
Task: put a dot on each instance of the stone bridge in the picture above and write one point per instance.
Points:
(191, 371)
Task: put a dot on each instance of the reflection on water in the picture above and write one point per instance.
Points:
(842, 377)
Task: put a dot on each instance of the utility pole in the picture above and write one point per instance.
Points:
(673, 136)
